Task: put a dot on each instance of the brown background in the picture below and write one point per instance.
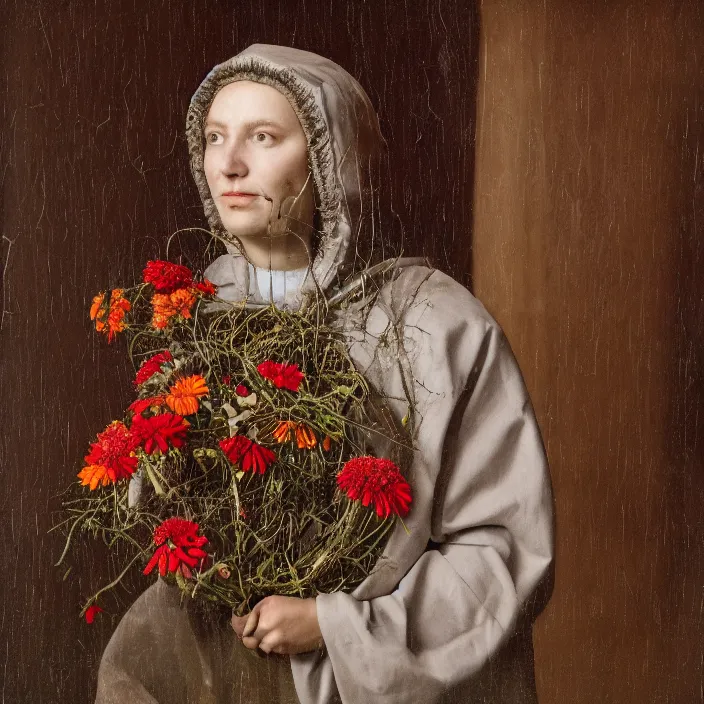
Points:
(552, 151)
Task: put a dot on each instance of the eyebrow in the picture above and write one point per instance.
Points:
(247, 125)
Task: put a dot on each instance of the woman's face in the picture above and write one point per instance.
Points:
(256, 157)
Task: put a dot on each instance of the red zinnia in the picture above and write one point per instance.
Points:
(152, 365)
(142, 404)
(114, 450)
(178, 546)
(91, 612)
(378, 482)
(205, 287)
(166, 277)
(247, 453)
(283, 376)
(160, 430)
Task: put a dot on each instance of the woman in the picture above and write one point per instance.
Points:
(283, 145)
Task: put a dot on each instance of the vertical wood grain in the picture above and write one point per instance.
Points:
(588, 249)
(95, 177)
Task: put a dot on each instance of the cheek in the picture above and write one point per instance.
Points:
(209, 168)
(292, 174)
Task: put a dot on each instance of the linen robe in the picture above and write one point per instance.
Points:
(446, 615)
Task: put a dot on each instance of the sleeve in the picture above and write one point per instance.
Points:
(492, 529)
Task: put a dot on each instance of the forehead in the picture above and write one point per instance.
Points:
(243, 102)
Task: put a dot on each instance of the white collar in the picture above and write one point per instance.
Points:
(272, 285)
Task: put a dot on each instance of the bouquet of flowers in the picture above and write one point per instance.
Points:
(241, 469)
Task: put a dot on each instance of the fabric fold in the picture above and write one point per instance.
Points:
(486, 504)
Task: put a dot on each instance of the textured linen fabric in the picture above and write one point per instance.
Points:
(272, 286)
(448, 618)
(446, 615)
(164, 653)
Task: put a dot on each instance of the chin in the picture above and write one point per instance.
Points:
(244, 227)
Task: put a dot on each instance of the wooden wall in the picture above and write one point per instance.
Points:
(589, 206)
(578, 217)
(95, 177)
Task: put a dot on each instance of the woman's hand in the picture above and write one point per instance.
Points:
(280, 624)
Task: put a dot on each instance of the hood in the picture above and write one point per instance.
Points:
(344, 143)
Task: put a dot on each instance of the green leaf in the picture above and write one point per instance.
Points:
(155, 483)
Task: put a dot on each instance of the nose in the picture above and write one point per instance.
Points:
(234, 163)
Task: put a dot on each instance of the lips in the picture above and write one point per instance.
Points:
(238, 197)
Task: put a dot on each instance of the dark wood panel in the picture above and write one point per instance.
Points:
(95, 177)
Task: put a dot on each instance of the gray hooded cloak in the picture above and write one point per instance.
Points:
(447, 616)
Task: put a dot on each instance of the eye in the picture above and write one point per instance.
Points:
(213, 138)
(263, 137)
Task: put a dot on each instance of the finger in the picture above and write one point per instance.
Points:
(251, 624)
(266, 647)
(270, 643)
(251, 642)
(238, 624)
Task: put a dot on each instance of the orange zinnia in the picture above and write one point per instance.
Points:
(182, 300)
(163, 311)
(97, 304)
(305, 437)
(119, 305)
(185, 393)
(94, 475)
(115, 320)
(283, 431)
(167, 305)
